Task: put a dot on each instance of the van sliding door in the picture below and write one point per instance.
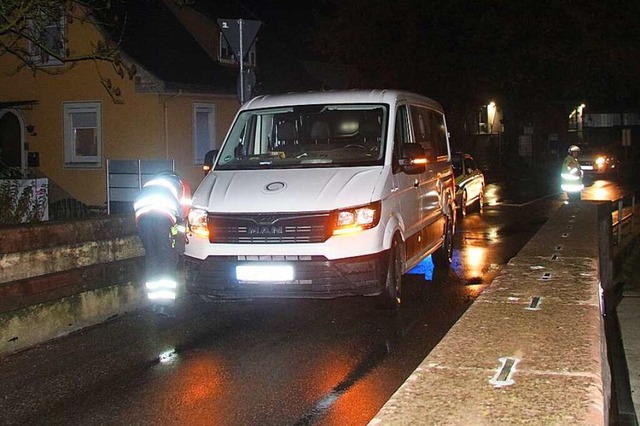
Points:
(426, 132)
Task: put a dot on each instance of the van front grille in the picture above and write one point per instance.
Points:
(276, 228)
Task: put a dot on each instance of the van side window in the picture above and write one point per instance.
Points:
(439, 133)
(400, 135)
(421, 122)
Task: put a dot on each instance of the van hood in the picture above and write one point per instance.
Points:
(288, 190)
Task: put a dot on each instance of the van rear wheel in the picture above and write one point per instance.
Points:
(390, 298)
(444, 255)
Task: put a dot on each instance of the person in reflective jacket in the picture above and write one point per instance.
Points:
(161, 208)
(571, 174)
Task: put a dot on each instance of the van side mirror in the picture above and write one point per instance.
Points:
(209, 157)
(414, 159)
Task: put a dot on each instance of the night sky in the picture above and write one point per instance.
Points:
(559, 51)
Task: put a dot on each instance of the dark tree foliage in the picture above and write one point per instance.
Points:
(523, 51)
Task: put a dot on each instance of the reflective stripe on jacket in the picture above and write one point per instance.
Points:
(571, 175)
(156, 199)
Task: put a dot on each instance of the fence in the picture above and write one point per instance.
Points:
(622, 217)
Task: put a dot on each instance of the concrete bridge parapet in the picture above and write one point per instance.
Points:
(531, 349)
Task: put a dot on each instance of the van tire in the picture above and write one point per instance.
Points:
(444, 254)
(390, 298)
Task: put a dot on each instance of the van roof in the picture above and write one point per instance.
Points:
(386, 96)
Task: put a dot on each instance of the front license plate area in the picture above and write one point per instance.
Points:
(264, 273)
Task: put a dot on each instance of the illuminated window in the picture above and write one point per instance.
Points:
(83, 134)
(48, 33)
(204, 130)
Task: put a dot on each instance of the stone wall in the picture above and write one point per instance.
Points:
(59, 277)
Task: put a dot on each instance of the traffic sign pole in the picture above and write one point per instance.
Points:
(241, 65)
(240, 39)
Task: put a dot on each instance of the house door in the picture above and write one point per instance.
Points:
(11, 147)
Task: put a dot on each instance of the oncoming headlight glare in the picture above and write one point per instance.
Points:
(357, 219)
(198, 223)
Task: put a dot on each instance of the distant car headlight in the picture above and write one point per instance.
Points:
(600, 161)
(198, 223)
(349, 221)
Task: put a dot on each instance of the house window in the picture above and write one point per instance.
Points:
(227, 56)
(204, 130)
(83, 134)
(48, 32)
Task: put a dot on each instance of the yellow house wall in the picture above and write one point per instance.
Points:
(132, 130)
(179, 112)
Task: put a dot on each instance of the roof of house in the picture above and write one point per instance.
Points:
(153, 37)
(278, 69)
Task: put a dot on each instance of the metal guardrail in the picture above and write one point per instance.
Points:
(622, 217)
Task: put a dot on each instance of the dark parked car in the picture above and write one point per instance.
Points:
(469, 182)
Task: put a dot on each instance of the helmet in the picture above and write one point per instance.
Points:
(166, 178)
(573, 148)
(168, 174)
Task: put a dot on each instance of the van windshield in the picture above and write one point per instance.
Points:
(306, 136)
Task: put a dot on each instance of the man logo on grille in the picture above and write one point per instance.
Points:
(265, 230)
(266, 220)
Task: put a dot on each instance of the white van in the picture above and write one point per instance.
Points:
(324, 194)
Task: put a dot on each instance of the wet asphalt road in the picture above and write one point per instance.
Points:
(267, 362)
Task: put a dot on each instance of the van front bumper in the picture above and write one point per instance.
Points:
(313, 276)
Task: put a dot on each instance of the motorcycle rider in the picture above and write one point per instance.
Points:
(571, 174)
(161, 208)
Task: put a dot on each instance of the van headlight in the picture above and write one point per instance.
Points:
(198, 223)
(356, 219)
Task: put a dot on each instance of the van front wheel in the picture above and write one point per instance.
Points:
(444, 255)
(390, 298)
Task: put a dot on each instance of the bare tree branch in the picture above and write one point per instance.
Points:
(35, 32)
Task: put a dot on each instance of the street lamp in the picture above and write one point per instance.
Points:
(580, 119)
(576, 122)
